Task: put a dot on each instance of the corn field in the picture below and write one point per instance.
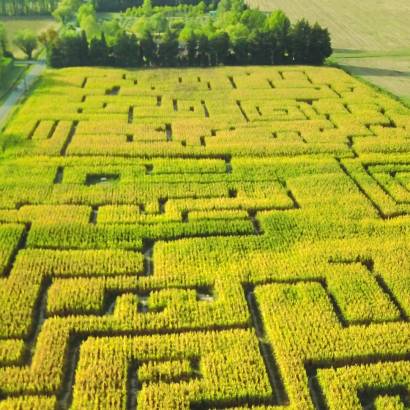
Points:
(227, 238)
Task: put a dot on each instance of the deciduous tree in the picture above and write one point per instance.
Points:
(26, 41)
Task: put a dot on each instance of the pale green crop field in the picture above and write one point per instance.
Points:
(354, 25)
(380, 27)
(390, 73)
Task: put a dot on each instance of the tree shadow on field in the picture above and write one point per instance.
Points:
(375, 72)
(347, 51)
(10, 143)
(47, 84)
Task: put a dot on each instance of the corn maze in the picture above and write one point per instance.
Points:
(229, 238)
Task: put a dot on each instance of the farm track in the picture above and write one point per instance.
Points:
(20, 90)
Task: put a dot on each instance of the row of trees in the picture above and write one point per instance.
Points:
(41, 7)
(116, 5)
(233, 35)
(304, 45)
(27, 7)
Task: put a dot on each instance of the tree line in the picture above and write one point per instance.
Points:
(120, 5)
(27, 7)
(232, 35)
(43, 7)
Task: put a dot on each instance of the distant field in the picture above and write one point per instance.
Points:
(14, 24)
(359, 27)
(390, 73)
(364, 25)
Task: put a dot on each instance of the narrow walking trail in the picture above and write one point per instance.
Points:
(20, 89)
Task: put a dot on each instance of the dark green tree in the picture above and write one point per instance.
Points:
(188, 40)
(99, 53)
(238, 35)
(191, 48)
(83, 49)
(148, 48)
(219, 48)
(168, 50)
(277, 34)
(126, 51)
(320, 45)
(300, 42)
(66, 51)
(260, 47)
(203, 50)
(55, 54)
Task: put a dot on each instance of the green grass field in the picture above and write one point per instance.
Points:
(14, 24)
(227, 238)
(380, 29)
